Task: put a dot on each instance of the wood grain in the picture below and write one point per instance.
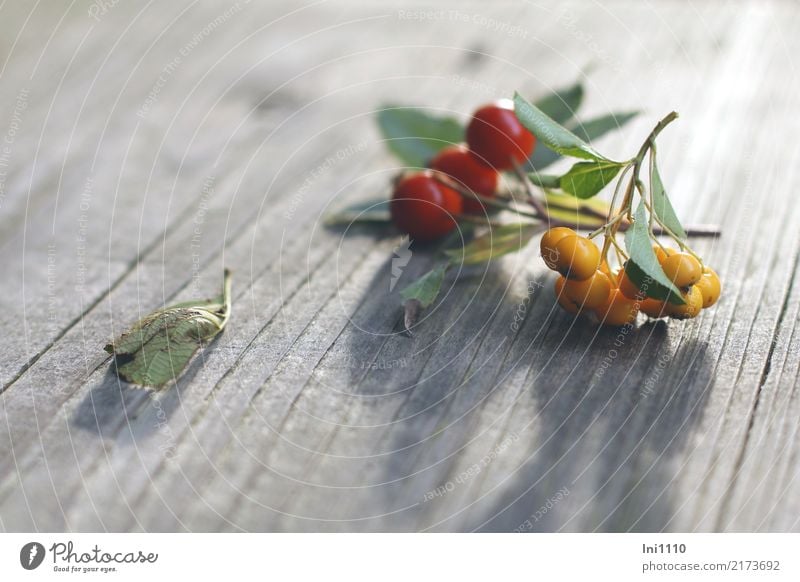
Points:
(311, 412)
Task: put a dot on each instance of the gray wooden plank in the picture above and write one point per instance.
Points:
(131, 231)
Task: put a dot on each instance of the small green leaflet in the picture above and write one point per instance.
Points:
(416, 136)
(499, 241)
(372, 212)
(587, 130)
(555, 136)
(643, 267)
(661, 204)
(562, 104)
(495, 243)
(156, 349)
(586, 179)
(426, 288)
(545, 180)
(421, 294)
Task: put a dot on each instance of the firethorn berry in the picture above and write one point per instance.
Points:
(469, 172)
(709, 286)
(617, 310)
(548, 244)
(653, 308)
(694, 303)
(662, 253)
(565, 302)
(577, 257)
(424, 208)
(496, 136)
(590, 293)
(682, 269)
(629, 288)
(612, 276)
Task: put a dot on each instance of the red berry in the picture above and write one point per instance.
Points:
(497, 138)
(469, 172)
(424, 208)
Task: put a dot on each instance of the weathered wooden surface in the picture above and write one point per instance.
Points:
(156, 143)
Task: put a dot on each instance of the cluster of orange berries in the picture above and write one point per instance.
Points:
(588, 284)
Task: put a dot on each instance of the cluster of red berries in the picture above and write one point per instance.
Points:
(427, 209)
(588, 284)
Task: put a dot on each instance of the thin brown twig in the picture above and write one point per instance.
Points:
(532, 197)
(450, 183)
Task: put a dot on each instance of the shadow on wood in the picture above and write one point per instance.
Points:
(109, 406)
(607, 449)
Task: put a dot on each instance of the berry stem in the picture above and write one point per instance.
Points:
(650, 141)
(617, 191)
(649, 197)
(532, 197)
(648, 144)
(445, 180)
(634, 185)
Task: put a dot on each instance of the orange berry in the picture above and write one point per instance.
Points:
(682, 269)
(653, 308)
(694, 303)
(565, 302)
(629, 288)
(589, 293)
(613, 274)
(577, 257)
(663, 252)
(710, 287)
(548, 244)
(617, 310)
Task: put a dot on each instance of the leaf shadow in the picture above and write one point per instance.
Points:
(425, 384)
(130, 414)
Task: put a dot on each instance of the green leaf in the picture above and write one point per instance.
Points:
(156, 349)
(587, 130)
(372, 211)
(421, 294)
(586, 179)
(643, 267)
(561, 105)
(599, 126)
(416, 136)
(555, 136)
(499, 241)
(545, 180)
(426, 288)
(661, 205)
